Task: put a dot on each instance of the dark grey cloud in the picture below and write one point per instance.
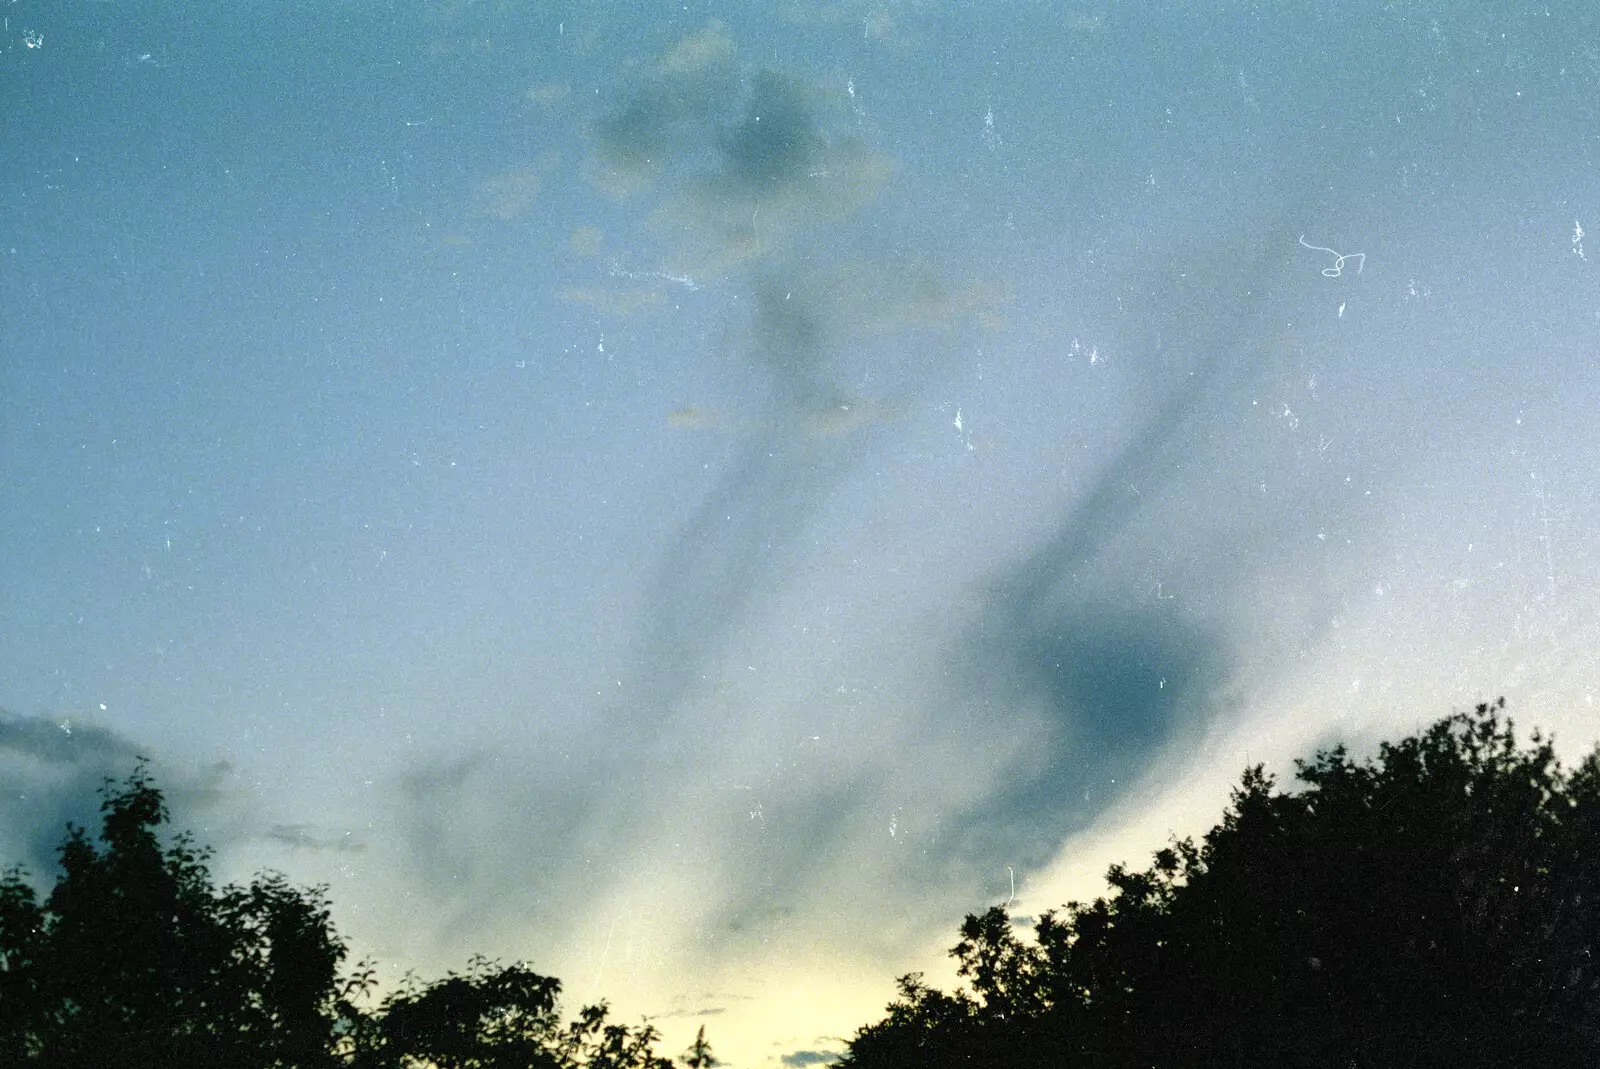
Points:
(1071, 646)
(64, 743)
(776, 141)
(811, 1057)
(51, 772)
(735, 547)
(309, 837)
(736, 542)
(710, 1011)
(734, 162)
(665, 118)
(431, 803)
(54, 772)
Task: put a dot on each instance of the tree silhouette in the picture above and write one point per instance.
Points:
(135, 960)
(1436, 906)
(497, 1017)
(699, 1055)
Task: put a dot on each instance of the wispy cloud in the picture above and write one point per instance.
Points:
(308, 837)
(693, 811)
(710, 1011)
(1071, 645)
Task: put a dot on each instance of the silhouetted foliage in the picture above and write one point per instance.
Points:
(497, 1017)
(699, 1055)
(1435, 906)
(136, 961)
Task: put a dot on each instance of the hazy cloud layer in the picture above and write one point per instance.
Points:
(1063, 680)
(710, 807)
(509, 195)
(740, 169)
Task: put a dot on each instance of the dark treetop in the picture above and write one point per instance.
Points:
(1435, 906)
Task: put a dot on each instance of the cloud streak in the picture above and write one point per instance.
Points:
(743, 178)
(697, 811)
(1068, 640)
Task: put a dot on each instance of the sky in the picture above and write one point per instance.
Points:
(700, 496)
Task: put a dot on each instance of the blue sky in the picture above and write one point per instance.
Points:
(700, 496)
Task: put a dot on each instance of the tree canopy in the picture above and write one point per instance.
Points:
(1437, 905)
(136, 960)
